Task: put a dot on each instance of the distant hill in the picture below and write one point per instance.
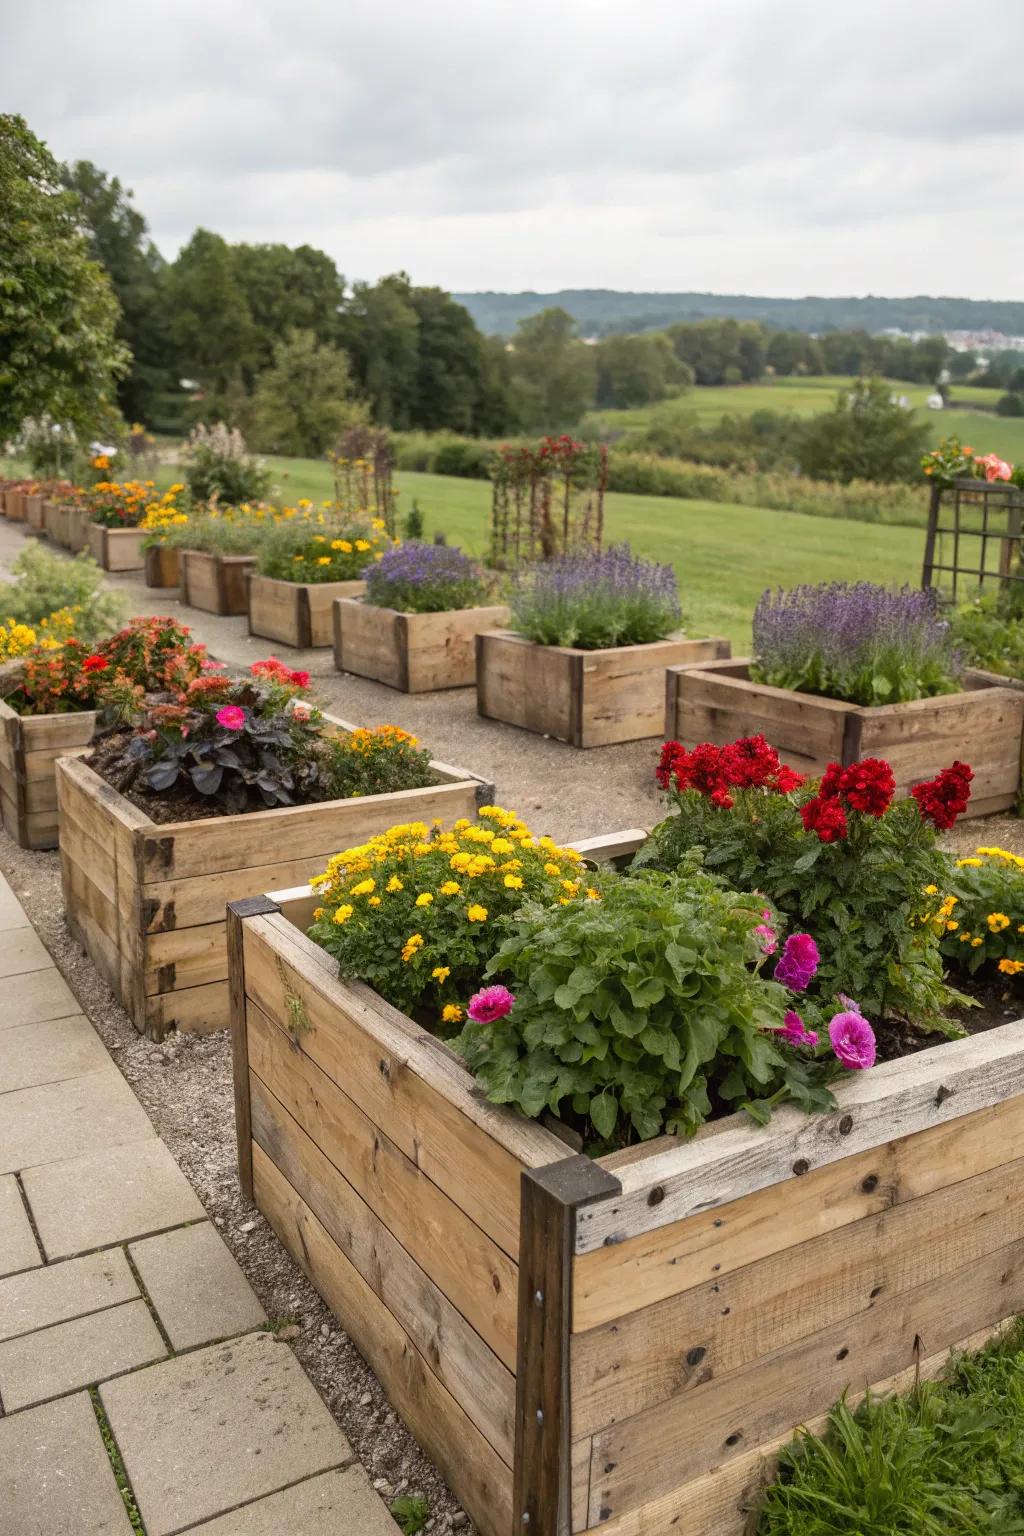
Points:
(600, 311)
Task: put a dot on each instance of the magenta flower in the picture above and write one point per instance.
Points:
(794, 1032)
(765, 933)
(853, 1040)
(798, 962)
(490, 1004)
(231, 717)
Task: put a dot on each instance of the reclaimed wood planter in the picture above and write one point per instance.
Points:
(297, 613)
(77, 522)
(116, 549)
(620, 1344)
(29, 748)
(53, 522)
(587, 698)
(14, 506)
(983, 726)
(34, 512)
(416, 652)
(147, 899)
(162, 565)
(216, 583)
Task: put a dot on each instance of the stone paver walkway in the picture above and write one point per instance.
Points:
(138, 1380)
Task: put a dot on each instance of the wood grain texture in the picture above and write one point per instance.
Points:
(216, 583)
(163, 566)
(296, 613)
(116, 549)
(414, 652)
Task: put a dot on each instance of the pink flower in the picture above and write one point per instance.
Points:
(794, 1033)
(231, 717)
(798, 962)
(490, 1004)
(301, 711)
(765, 933)
(211, 666)
(853, 1040)
(995, 467)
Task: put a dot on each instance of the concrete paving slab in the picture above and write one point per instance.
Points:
(77, 1354)
(49, 1052)
(334, 1504)
(61, 1120)
(12, 913)
(55, 1477)
(39, 1298)
(198, 1290)
(38, 995)
(208, 1431)
(22, 950)
(108, 1196)
(18, 1247)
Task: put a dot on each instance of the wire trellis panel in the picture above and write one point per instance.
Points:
(974, 537)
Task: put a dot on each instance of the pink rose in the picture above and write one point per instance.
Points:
(490, 1004)
(853, 1040)
(231, 717)
(995, 467)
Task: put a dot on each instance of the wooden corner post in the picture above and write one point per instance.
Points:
(238, 911)
(550, 1199)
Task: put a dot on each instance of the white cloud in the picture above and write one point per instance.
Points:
(767, 146)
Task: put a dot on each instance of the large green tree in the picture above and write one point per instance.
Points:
(211, 320)
(304, 401)
(119, 240)
(639, 370)
(554, 374)
(286, 289)
(866, 436)
(59, 352)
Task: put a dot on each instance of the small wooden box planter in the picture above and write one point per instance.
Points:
(215, 583)
(622, 1344)
(53, 522)
(297, 613)
(162, 565)
(76, 522)
(982, 726)
(116, 549)
(14, 506)
(587, 698)
(29, 747)
(34, 512)
(416, 652)
(147, 899)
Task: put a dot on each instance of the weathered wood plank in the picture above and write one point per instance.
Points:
(295, 612)
(474, 1469)
(914, 1093)
(415, 652)
(216, 583)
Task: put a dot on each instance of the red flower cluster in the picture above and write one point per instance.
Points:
(749, 763)
(94, 664)
(276, 672)
(867, 787)
(945, 797)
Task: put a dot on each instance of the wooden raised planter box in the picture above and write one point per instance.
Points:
(215, 583)
(147, 899)
(34, 512)
(14, 506)
(297, 613)
(29, 748)
(587, 698)
(116, 549)
(162, 565)
(982, 726)
(416, 652)
(622, 1344)
(53, 522)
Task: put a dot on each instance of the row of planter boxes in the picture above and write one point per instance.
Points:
(619, 1344)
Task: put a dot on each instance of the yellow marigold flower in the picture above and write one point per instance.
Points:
(461, 860)
(450, 888)
(594, 895)
(394, 884)
(1011, 967)
(514, 882)
(502, 845)
(476, 913)
(441, 972)
(451, 1013)
(952, 927)
(324, 560)
(570, 886)
(424, 899)
(343, 913)
(968, 863)
(363, 888)
(374, 901)
(931, 890)
(362, 546)
(552, 869)
(976, 942)
(461, 824)
(318, 912)
(413, 943)
(997, 921)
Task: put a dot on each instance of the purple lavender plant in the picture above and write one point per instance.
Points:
(425, 578)
(596, 600)
(858, 642)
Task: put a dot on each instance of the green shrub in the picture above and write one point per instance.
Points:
(220, 469)
(46, 582)
(867, 435)
(990, 634)
(1010, 404)
(309, 551)
(464, 457)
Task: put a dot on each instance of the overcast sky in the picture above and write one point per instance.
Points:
(762, 146)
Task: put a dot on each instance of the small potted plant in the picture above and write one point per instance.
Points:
(218, 788)
(584, 661)
(304, 563)
(216, 551)
(161, 556)
(416, 628)
(842, 671)
(115, 510)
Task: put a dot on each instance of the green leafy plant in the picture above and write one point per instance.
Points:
(411, 1512)
(316, 551)
(219, 467)
(46, 583)
(990, 633)
(981, 919)
(375, 761)
(641, 1013)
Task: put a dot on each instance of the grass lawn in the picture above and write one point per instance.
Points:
(982, 430)
(724, 555)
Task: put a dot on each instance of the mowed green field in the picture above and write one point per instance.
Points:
(724, 555)
(981, 430)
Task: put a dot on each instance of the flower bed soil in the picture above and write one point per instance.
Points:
(620, 1344)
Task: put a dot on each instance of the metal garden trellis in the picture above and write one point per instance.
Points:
(983, 522)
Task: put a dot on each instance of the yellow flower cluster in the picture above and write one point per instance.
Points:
(166, 512)
(428, 896)
(990, 911)
(15, 640)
